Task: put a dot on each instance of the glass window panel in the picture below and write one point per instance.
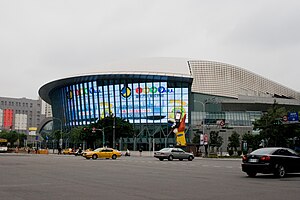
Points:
(112, 99)
(77, 106)
(86, 103)
(123, 92)
(95, 101)
(101, 103)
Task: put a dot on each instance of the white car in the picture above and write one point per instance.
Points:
(173, 153)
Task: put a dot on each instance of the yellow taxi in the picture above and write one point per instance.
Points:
(102, 153)
(68, 151)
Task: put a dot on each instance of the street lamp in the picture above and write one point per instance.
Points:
(103, 136)
(61, 140)
(203, 120)
(114, 132)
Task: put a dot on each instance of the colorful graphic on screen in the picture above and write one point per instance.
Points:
(151, 102)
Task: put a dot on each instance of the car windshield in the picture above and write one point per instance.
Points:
(264, 151)
(165, 149)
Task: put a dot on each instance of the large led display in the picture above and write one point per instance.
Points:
(151, 102)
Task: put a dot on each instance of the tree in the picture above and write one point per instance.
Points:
(57, 135)
(272, 130)
(196, 139)
(252, 140)
(22, 137)
(13, 136)
(107, 125)
(122, 128)
(215, 139)
(75, 134)
(234, 141)
(87, 134)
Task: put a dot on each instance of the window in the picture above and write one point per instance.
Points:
(283, 152)
(180, 150)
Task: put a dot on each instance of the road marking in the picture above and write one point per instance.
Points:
(23, 185)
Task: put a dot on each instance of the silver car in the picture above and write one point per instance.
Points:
(173, 153)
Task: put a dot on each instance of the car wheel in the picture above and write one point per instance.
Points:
(190, 158)
(170, 158)
(280, 171)
(251, 174)
(161, 159)
(114, 156)
(88, 158)
(94, 156)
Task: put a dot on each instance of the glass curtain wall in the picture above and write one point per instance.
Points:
(138, 102)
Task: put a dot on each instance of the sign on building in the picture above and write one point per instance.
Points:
(293, 117)
(32, 130)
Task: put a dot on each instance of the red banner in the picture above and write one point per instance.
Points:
(8, 118)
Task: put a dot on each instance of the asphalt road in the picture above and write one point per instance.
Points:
(39, 177)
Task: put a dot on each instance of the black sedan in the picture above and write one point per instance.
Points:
(271, 160)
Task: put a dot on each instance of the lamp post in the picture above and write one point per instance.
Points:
(103, 136)
(114, 132)
(61, 140)
(203, 120)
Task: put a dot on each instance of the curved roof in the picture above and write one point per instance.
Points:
(222, 79)
(208, 77)
(46, 89)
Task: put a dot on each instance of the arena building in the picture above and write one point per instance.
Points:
(214, 96)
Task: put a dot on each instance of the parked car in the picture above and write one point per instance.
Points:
(271, 160)
(173, 153)
(102, 153)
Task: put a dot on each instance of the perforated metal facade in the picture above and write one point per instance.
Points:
(222, 79)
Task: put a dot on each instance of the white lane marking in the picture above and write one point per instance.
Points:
(23, 185)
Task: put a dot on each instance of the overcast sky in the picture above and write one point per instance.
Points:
(41, 41)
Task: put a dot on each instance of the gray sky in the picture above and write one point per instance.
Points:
(41, 40)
